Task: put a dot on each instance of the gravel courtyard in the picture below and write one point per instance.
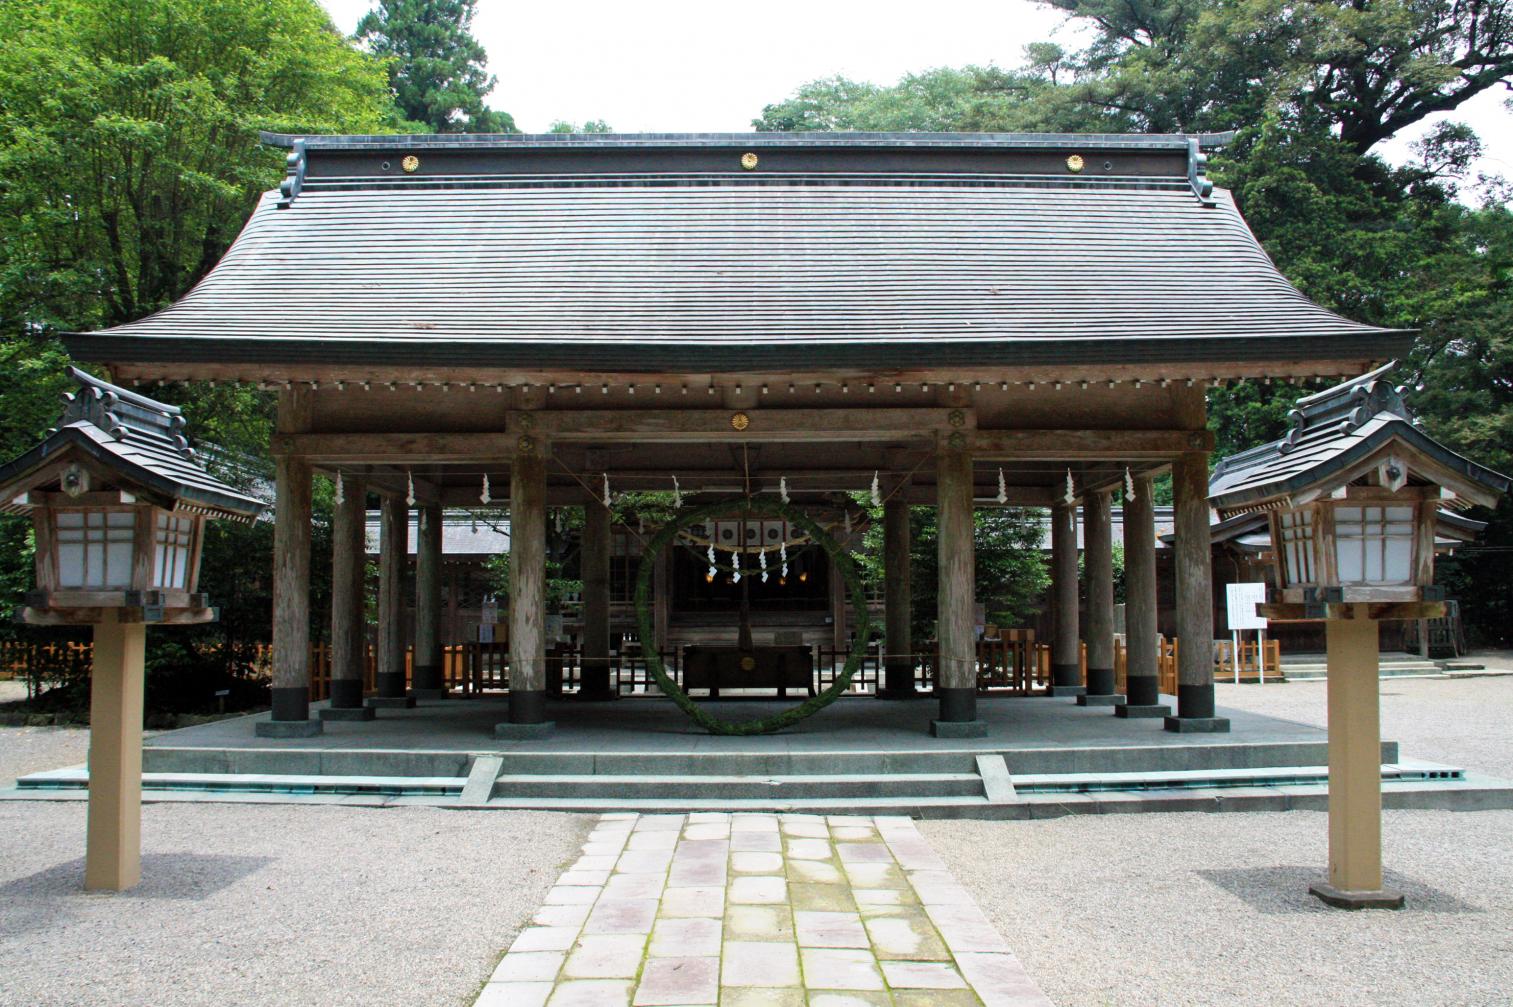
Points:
(291, 905)
(1178, 909)
(248, 904)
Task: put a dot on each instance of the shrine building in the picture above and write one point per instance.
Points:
(760, 325)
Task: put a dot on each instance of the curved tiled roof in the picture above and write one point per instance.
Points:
(689, 267)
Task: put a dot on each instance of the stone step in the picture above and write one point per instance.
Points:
(830, 786)
(77, 777)
(1220, 752)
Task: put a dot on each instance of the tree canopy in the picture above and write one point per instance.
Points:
(436, 67)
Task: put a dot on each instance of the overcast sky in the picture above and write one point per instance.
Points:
(684, 66)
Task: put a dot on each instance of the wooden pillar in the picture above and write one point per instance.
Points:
(956, 671)
(1098, 546)
(113, 848)
(661, 612)
(291, 602)
(426, 681)
(349, 630)
(393, 552)
(1143, 667)
(1195, 599)
(1066, 657)
(595, 560)
(527, 595)
(840, 605)
(1355, 768)
(898, 665)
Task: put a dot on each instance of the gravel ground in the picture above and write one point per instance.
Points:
(1463, 721)
(1180, 909)
(273, 904)
(33, 749)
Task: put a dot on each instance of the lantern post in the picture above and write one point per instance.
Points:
(1353, 493)
(119, 506)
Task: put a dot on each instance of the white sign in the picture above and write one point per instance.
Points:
(486, 632)
(1243, 599)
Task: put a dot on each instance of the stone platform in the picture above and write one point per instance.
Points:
(1040, 756)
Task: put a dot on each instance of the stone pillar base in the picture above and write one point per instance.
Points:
(287, 728)
(525, 732)
(1198, 725)
(1066, 690)
(431, 693)
(1087, 699)
(347, 713)
(958, 729)
(1135, 711)
(1340, 898)
(391, 702)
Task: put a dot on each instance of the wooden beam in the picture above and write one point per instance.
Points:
(1100, 445)
(395, 449)
(727, 424)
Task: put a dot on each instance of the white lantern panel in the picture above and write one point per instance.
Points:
(1374, 545)
(1297, 546)
(173, 540)
(95, 549)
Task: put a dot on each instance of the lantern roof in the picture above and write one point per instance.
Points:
(1341, 436)
(723, 253)
(134, 442)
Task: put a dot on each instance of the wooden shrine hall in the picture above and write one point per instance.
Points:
(766, 321)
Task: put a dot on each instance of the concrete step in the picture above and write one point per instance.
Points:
(830, 786)
(77, 778)
(1221, 752)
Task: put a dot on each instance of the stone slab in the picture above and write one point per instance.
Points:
(288, 728)
(1198, 725)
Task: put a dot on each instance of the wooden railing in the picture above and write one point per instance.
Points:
(1013, 662)
(1249, 669)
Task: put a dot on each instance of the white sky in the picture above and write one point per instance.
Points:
(684, 66)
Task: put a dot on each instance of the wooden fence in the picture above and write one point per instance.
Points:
(1013, 662)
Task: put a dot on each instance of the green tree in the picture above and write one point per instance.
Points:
(1371, 67)
(591, 126)
(437, 69)
(971, 99)
(130, 157)
(1010, 576)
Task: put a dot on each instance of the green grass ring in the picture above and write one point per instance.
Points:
(843, 564)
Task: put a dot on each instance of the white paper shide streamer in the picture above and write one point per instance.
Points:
(1003, 489)
(712, 570)
(735, 561)
(762, 562)
(783, 488)
(1129, 485)
(485, 497)
(1071, 490)
(677, 494)
(607, 501)
(783, 555)
(409, 489)
(877, 495)
(341, 496)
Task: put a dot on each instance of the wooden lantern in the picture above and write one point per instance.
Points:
(119, 506)
(1353, 494)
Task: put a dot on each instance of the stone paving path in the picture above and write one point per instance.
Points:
(743, 910)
